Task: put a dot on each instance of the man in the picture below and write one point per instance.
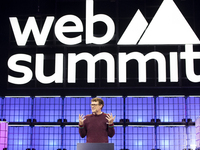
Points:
(98, 125)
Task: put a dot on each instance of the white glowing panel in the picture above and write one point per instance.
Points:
(134, 30)
(169, 27)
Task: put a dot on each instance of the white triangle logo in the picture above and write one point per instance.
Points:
(169, 27)
(134, 30)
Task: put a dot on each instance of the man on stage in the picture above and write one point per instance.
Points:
(98, 125)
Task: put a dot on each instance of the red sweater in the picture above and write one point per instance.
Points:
(96, 129)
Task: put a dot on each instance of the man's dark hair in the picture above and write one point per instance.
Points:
(97, 99)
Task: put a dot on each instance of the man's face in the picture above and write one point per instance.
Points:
(96, 108)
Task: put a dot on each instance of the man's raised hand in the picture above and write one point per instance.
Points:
(81, 119)
(110, 118)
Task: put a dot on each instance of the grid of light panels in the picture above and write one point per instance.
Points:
(129, 135)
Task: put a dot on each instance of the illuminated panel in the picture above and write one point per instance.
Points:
(114, 105)
(170, 109)
(193, 107)
(46, 138)
(197, 126)
(191, 137)
(118, 138)
(71, 137)
(3, 134)
(19, 138)
(140, 138)
(1, 101)
(139, 109)
(73, 106)
(17, 109)
(47, 109)
(169, 138)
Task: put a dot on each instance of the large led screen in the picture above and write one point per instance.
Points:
(104, 47)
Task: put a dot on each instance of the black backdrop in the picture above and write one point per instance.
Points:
(121, 11)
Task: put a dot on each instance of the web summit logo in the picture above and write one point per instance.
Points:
(166, 28)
